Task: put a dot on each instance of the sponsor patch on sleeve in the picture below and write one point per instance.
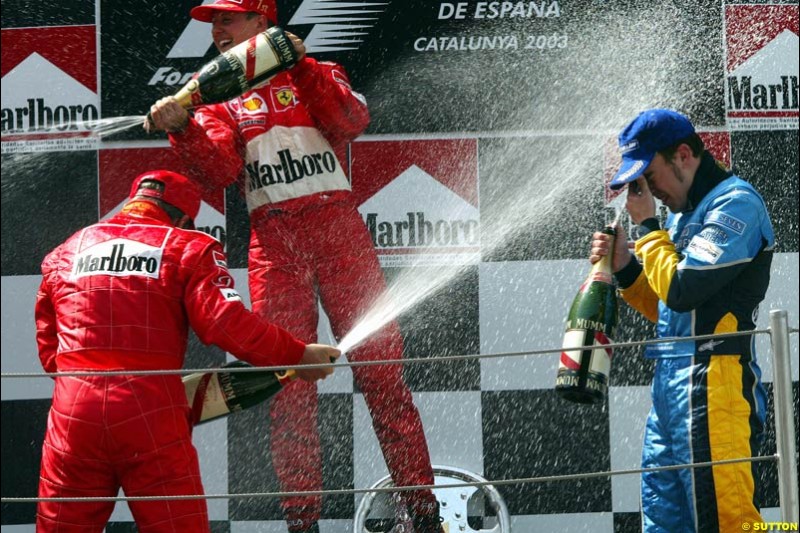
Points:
(219, 259)
(223, 279)
(704, 250)
(727, 221)
(340, 78)
(714, 234)
(230, 295)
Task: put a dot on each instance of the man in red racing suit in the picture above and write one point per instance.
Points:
(308, 240)
(120, 295)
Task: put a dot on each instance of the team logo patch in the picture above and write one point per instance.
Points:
(682, 241)
(704, 250)
(633, 145)
(284, 98)
(708, 346)
(223, 279)
(250, 105)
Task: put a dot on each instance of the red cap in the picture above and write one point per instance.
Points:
(179, 191)
(205, 12)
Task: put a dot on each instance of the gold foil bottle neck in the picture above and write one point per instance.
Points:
(184, 96)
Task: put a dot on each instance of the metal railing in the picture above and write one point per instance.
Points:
(784, 426)
(785, 435)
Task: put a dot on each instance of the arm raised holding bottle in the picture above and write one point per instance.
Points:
(641, 206)
(240, 68)
(636, 291)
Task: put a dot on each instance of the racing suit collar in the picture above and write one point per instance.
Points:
(709, 174)
(144, 209)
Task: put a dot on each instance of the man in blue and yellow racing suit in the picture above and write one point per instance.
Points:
(704, 273)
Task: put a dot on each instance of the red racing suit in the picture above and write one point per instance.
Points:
(308, 240)
(120, 295)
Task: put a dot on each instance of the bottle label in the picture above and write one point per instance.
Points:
(256, 57)
(585, 323)
(213, 399)
(592, 389)
(600, 362)
(282, 46)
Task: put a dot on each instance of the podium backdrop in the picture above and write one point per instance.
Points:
(492, 136)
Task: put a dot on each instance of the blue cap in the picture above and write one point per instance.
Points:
(651, 131)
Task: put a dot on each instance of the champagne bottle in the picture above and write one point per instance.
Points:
(583, 371)
(215, 394)
(246, 66)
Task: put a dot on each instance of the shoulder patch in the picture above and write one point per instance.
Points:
(727, 221)
(219, 259)
(340, 78)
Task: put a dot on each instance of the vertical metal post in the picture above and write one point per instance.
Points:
(785, 435)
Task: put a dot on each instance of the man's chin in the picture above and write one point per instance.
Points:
(675, 208)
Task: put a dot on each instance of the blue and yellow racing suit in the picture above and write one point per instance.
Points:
(705, 273)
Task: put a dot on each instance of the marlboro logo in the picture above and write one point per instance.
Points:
(49, 99)
(118, 257)
(419, 200)
(436, 219)
(417, 231)
(289, 168)
(762, 90)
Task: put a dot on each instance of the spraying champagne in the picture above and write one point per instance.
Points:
(585, 362)
(214, 395)
(244, 67)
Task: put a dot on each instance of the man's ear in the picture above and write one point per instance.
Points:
(684, 151)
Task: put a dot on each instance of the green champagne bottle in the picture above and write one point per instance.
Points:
(585, 363)
(212, 395)
(246, 66)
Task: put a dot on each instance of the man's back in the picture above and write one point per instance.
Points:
(119, 286)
